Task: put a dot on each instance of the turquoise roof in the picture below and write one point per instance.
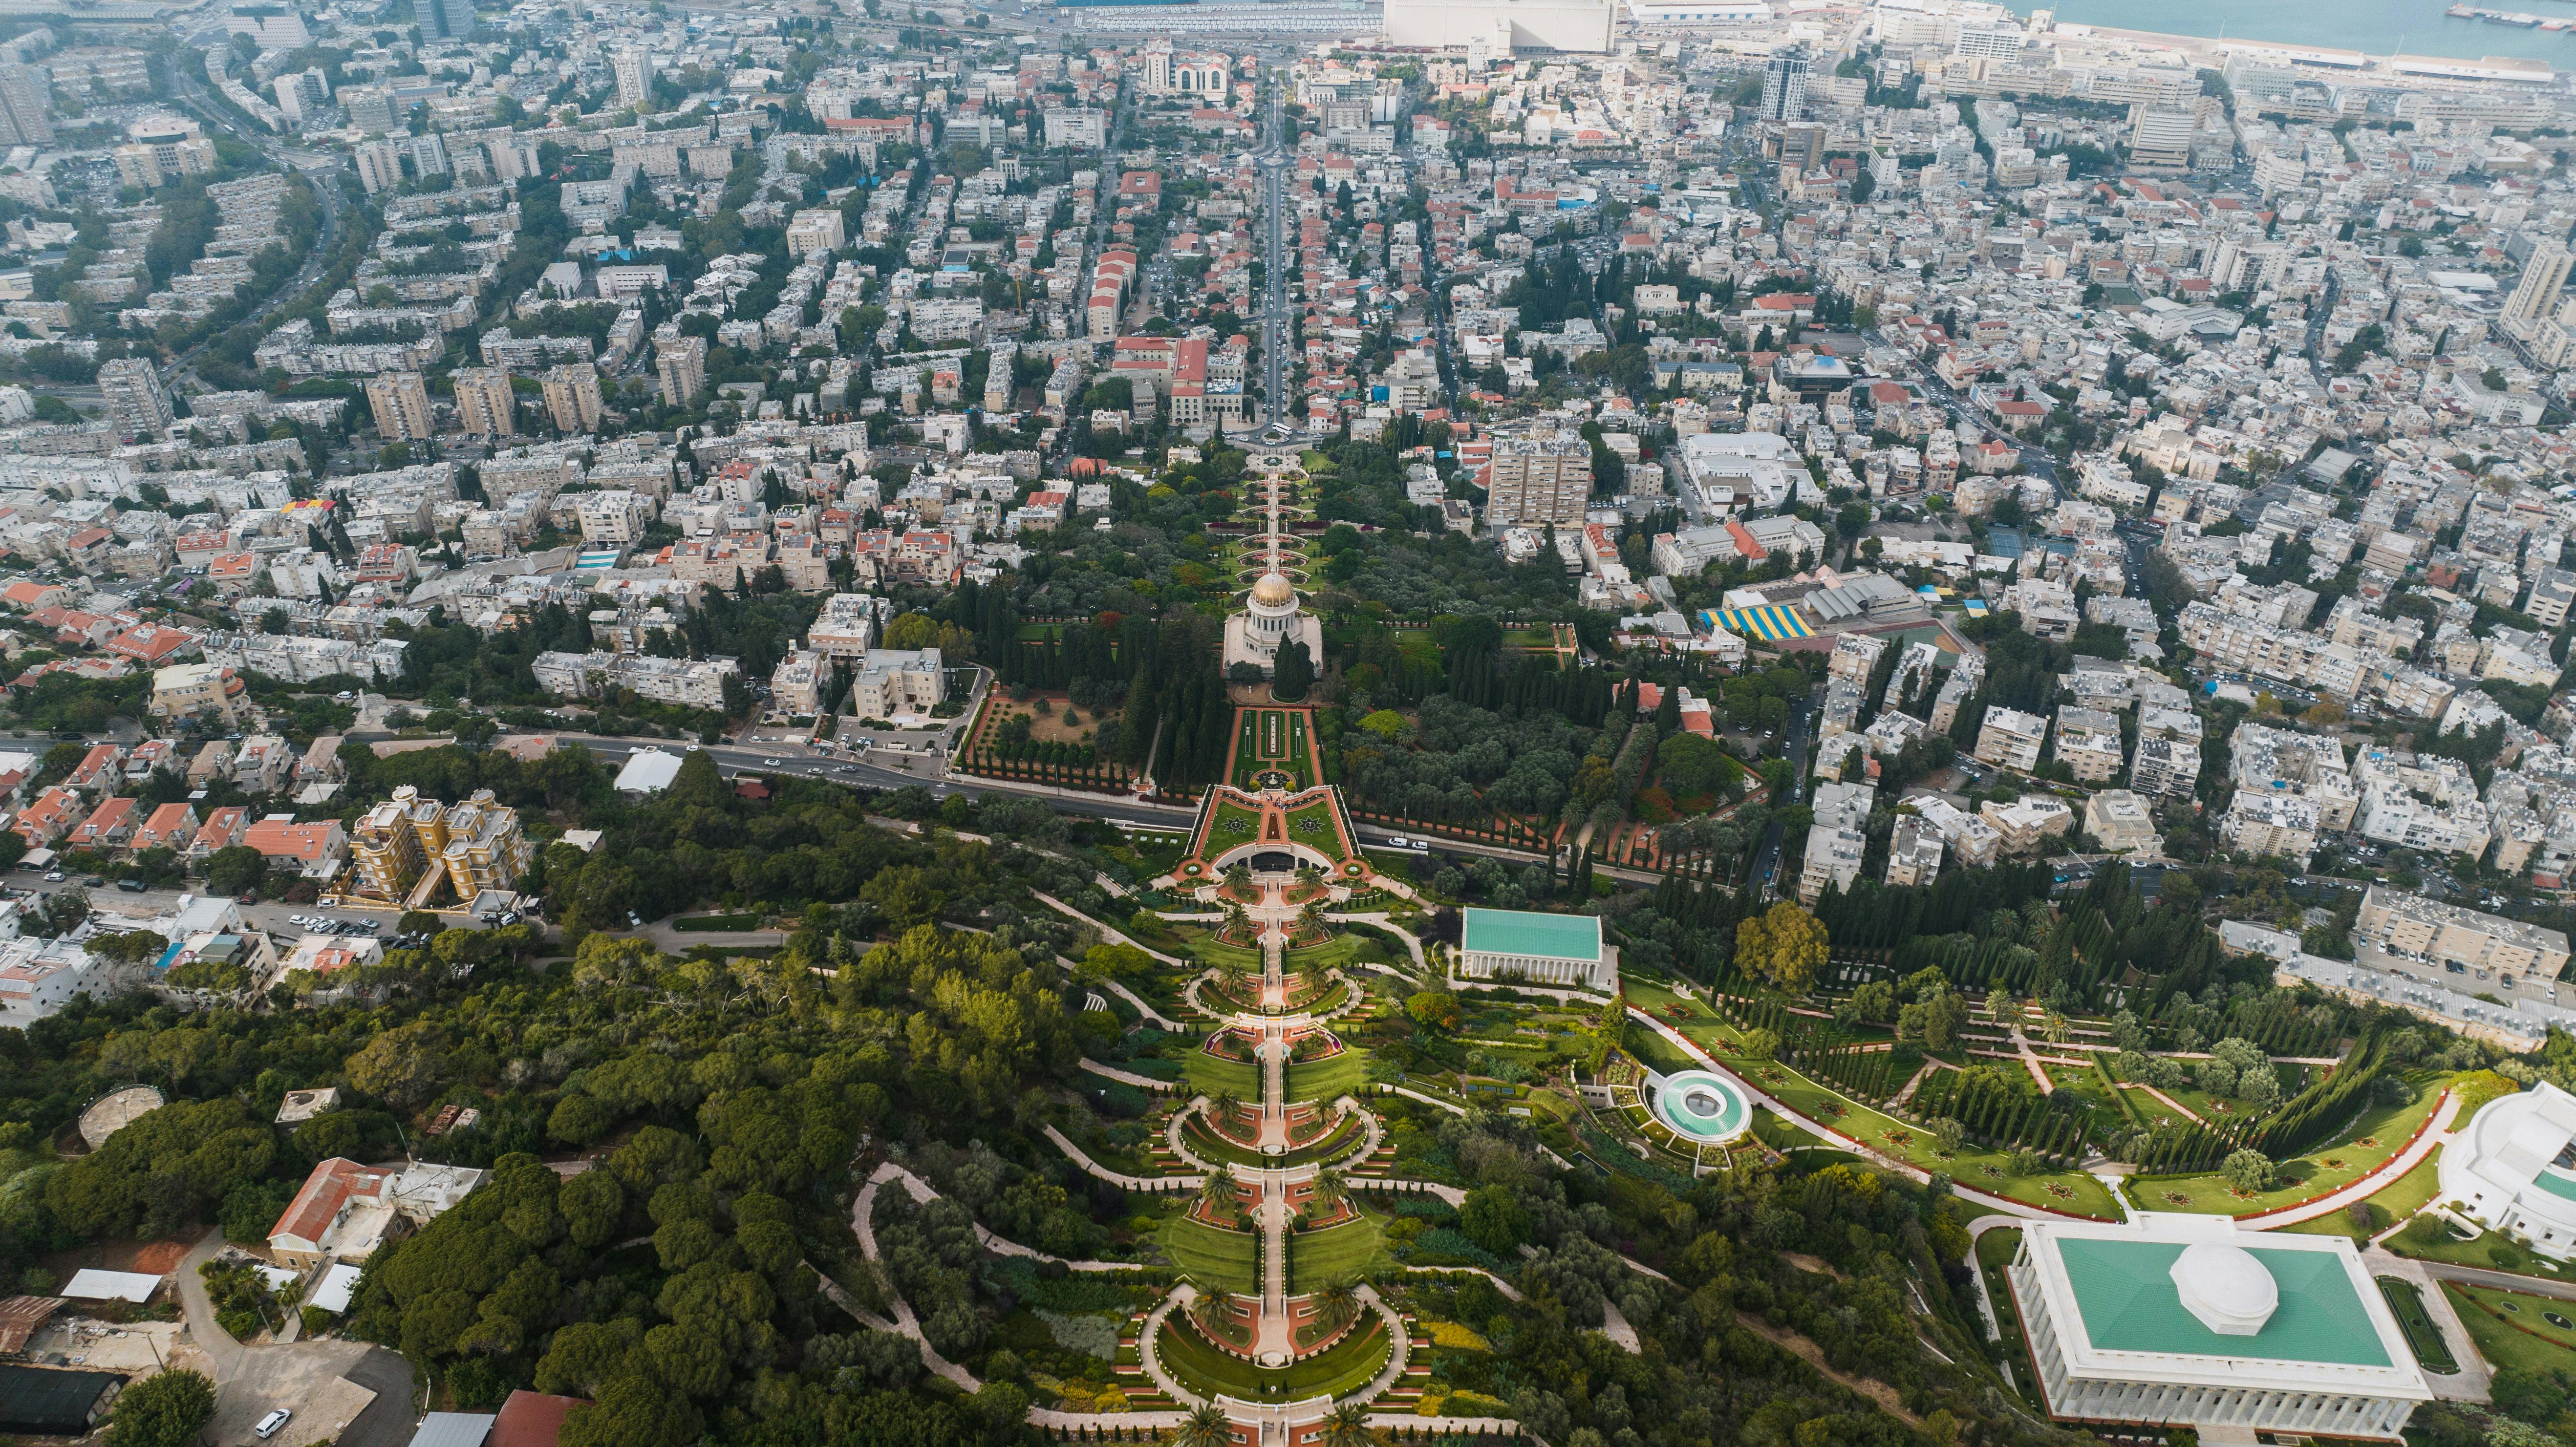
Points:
(1544, 936)
(2556, 1183)
(2126, 1293)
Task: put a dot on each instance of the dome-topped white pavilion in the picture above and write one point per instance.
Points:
(1271, 616)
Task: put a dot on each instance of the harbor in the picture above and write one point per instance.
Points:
(2519, 19)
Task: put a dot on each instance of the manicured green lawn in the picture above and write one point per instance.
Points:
(1328, 1079)
(2330, 1167)
(1995, 1252)
(2423, 1338)
(1212, 1258)
(1316, 1258)
(1346, 1366)
(1234, 825)
(1311, 824)
(2538, 1346)
(1208, 1075)
(1211, 1146)
(1972, 1166)
(2393, 1203)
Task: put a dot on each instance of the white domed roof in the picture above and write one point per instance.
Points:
(1274, 591)
(2226, 1287)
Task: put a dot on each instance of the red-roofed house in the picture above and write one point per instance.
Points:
(51, 817)
(89, 549)
(2021, 416)
(75, 627)
(1752, 551)
(531, 1419)
(172, 827)
(304, 1232)
(101, 769)
(222, 830)
(233, 573)
(318, 848)
(109, 828)
(154, 645)
(27, 597)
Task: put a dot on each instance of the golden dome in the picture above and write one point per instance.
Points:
(1275, 591)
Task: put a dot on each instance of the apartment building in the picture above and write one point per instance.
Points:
(2292, 655)
(691, 683)
(1536, 481)
(2165, 768)
(400, 401)
(1855, 657)
(395, 841)
(187, 690)
(485, 848)
(1836, 841)
(1971, 838)
(2088, 742)
(681, 364)
(2421, 936)
(571, 391)
(2025, 825)
(2271, 824)
(1914, 851)
(2122, 822)
(485, 406)
(898, 683)
(2011, 739)
(615, 518)
(2263, 759)
(845, 627)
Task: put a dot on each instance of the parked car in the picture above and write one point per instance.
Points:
(53, 876)
(270, 1425)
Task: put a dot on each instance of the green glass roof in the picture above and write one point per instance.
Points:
(2555, 1184)
(1548, 936)
(2126, 1293)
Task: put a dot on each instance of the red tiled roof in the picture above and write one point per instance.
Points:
(309, 1216)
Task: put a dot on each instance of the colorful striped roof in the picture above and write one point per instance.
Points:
(1770, 624)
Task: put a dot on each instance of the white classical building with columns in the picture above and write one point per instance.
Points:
(2175, 1320)
(1270, 617)
(1539, 949)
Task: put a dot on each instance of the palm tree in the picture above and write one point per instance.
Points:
(1331, 1189)
(1347, 1426)
(1210, 1314)
(1314, 977)
(1207, 1427)
(1216, 1193)
(1311, 918)
(1231, 971)
(1336, 1304)
(2053, 1026)
(1223, 1106)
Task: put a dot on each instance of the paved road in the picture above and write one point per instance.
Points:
(389, 1420)
(1274, 297)
(2501, 1280)
(1766, 867)
(320, 168)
